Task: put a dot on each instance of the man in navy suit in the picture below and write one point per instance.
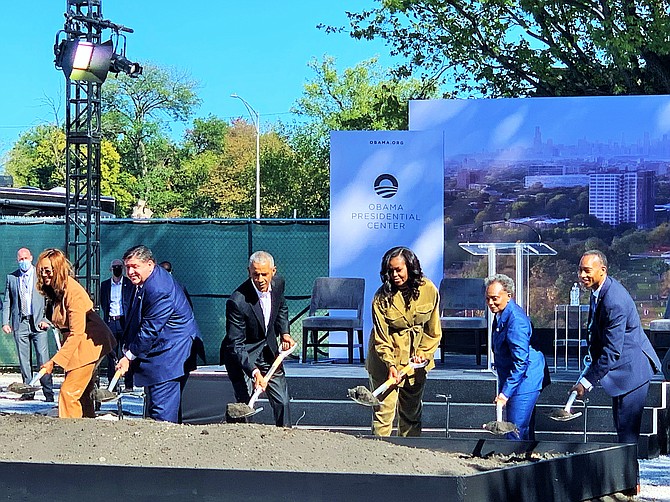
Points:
(622, 358)
(159, 335)
(256, 314)
(22, 313)
(520, 367)
(116, 293)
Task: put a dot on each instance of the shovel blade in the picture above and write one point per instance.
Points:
(22, 388)
(363, 396)
(564, 416)
(499, 428)
(237, 411)
(105, 395)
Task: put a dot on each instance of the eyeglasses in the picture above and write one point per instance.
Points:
(46, 271)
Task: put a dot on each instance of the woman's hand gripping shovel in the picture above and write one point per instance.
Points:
(363, 396)
(242, 410)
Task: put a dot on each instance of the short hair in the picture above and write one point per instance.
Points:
(598, 253)
(141, 252)
(62, 268)
(504, 280)
(166, 265)
(261, 257)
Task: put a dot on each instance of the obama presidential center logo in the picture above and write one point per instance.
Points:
(386, 186)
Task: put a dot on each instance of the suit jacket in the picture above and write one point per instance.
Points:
(246, 335)
(160, 329)
(87, 337)
(11, 308)
(127, 292)
(622, 356)
(520, 367)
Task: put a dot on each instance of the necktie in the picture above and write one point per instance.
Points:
(592, 313)
(24, 291)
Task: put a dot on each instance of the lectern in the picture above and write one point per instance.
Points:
(522, 251)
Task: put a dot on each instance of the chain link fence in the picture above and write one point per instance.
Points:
(209, 257)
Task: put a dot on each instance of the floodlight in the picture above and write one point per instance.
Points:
(82, 60)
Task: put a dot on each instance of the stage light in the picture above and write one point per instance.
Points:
(120, 63)
(82, 60)
(85, 61)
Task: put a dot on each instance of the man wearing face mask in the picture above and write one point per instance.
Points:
(116, 294)
(22, 312)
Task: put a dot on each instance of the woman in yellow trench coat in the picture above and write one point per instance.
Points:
(406, 327)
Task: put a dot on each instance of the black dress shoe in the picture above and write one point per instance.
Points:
(49, 399)
(27, 397)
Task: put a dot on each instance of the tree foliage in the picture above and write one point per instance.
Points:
(510, 48)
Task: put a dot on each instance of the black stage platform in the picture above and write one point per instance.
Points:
(457, 401)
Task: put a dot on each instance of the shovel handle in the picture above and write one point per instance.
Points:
(278, 360)
(499, 410)
(37, 377)
(114, 380)
(401, 374)
(571, 400)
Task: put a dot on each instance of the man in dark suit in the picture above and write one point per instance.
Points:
(256, 315)
(159, 335)
(116, 294)
(623, 359)
(22, 313)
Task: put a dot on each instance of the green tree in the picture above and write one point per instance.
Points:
(136, 114)
(37, 158)
(514, 48)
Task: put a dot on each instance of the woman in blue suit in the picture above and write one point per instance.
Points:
(519, 366)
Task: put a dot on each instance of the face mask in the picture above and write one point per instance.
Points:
(117, 271)
(24, 265)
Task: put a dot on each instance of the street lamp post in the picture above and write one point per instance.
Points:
(255, 117)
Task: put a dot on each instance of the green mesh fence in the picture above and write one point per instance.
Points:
(209, 257)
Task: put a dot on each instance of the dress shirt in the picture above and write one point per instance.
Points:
(266, 303)
(592, 310)
(115, 307)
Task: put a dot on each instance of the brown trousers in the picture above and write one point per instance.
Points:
(75, 399)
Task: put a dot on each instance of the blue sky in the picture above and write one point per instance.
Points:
(258, 49)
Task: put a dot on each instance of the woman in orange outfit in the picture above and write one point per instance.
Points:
(86, 343)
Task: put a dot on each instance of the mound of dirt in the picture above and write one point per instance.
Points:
(36, 438)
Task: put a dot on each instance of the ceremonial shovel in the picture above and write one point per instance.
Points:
(27, 388)
(499, 427)
(564, 414)
(363, 396)
(243, 410)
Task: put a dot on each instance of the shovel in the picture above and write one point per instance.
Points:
(499, 427)
(363, 396)
(243, 410)
(565, 414)
(27, 388)
(108, 394)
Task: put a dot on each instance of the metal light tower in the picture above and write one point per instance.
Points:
(255, 116)
(85, 61)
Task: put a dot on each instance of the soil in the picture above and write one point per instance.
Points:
(36, 438)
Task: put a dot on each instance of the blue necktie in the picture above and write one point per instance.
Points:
(592, 313)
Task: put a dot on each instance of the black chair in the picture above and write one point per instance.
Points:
(334, 293)
(462, 311)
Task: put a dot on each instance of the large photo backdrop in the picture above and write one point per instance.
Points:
(385, 190)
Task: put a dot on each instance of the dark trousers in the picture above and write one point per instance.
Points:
(276, 391)
(164, 400)
(627, 411)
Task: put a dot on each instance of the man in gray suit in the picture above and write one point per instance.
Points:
(22, 312)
